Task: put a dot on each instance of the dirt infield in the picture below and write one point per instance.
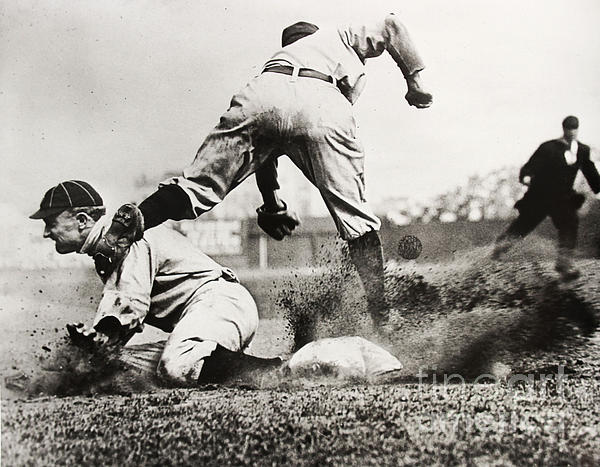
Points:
(501, 365)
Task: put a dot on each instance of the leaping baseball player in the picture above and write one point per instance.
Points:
(164, 281)
(300, 105)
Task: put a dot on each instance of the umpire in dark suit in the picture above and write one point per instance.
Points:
(550, 174)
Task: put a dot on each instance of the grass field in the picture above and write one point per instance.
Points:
(487, 424)
(536, 339)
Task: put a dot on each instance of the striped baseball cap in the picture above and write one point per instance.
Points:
(66, 195)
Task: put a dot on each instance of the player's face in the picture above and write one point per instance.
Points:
(65, 230)
(570, 134)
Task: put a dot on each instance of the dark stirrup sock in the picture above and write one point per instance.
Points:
(223, 365)
(367, 255)
(168, 202)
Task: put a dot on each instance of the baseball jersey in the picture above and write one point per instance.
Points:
(161, 275)
(341, 52)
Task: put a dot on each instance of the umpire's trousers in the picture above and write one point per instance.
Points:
(562, 211)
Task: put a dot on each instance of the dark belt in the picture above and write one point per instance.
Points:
(302, 72)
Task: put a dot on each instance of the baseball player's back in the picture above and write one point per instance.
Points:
(341, 51)
(299, 105)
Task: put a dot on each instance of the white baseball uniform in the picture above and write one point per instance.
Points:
(306, 118)
(166, 282)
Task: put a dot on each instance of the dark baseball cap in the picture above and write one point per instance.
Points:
(297, 31)
(66, 195)
(570, 123)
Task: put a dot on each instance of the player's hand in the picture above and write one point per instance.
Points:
(416, 95)
(419, 99)
(85, 337)
(277, 224)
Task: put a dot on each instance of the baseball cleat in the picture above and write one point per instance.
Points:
(568, 274)
(379, 316)
(127, 227)
(500, 248)
(564, 267)
(18, 383)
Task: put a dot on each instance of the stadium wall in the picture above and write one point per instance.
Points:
(310, 243)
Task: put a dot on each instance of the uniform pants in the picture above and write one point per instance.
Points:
(307, 119)
(222, 312)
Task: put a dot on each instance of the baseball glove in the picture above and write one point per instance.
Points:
(277, 224)
(126, 228)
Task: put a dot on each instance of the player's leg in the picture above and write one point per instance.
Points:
(566, 221)
(530, 216)
(207, 343)
(367, 256)
(246, 135)
(361, 233)
(332, 158)
(228, 155)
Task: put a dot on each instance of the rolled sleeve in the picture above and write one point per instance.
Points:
(400, 46)
(371, 38)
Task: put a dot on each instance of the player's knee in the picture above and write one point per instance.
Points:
(182, 365)
(178, 373)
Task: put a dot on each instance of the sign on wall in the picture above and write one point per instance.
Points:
(214, 237)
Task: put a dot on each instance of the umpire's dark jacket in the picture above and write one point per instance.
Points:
(552, 178)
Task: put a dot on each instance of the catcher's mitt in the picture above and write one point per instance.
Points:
(277, 224)
(126, 228)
